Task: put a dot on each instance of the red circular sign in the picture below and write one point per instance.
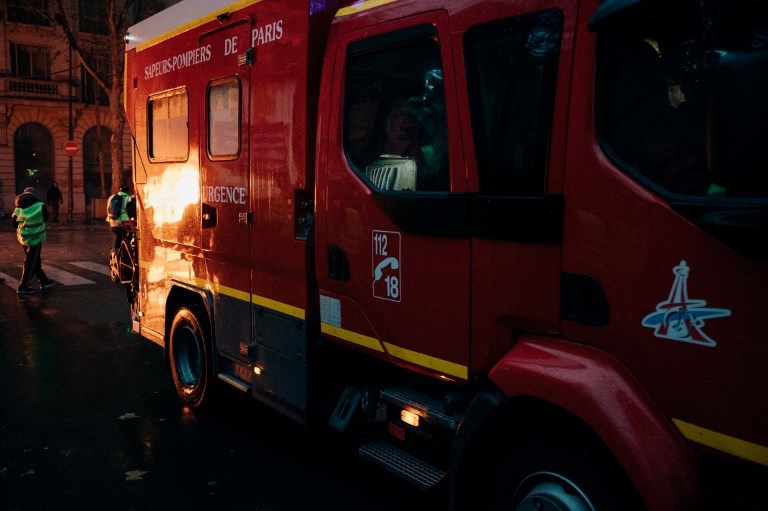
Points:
(71, 147)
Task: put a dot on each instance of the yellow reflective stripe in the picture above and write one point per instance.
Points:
(223, 290)
(420, 359)
(362, 6)
(353, 337)
(735, 446)
(406, 355)
(269, 303)
(286, 309)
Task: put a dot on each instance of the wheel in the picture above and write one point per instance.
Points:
(114, 266)
(191, 359)
(128, 272)
(554, 475)
(125, 262)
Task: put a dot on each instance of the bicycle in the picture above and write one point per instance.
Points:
(124, 263)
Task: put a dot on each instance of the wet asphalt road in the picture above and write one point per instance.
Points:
(89, 420)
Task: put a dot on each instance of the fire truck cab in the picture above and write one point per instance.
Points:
(516, 248)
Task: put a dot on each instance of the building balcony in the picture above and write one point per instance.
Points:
(19, 87)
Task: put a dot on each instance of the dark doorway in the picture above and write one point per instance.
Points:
(33, 157)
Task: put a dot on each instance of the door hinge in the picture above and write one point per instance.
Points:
(304, 214)
(246, 58)
(245, 217)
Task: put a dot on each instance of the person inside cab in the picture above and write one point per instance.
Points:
(418, 130)
(682, 93)
(656, 123)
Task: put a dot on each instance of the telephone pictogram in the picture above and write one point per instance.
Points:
(389, 261)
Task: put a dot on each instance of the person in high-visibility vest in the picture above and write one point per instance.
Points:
(29, 219)
(120, 215)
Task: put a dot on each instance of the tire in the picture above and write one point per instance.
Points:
(554, 475)
(191, 360)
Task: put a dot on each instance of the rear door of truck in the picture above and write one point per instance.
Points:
(226, 197)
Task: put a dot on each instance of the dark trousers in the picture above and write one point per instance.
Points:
(32, 266)
(54, 206)
(119, 235)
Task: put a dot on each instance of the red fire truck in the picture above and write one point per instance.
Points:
(517, 249)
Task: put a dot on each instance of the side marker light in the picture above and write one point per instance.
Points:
(409, 418)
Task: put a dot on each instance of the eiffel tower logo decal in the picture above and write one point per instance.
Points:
(680, 318)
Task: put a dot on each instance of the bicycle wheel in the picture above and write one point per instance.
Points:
(114, 266)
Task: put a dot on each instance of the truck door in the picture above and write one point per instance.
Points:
(226, 199)
(517, 65)
(420, 262)
(392, 241)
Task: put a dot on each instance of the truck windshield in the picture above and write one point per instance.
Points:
(683, 106)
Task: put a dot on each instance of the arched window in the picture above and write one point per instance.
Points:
(95, 157)
(33, 157)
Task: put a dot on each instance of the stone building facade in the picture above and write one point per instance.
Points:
(47, 99)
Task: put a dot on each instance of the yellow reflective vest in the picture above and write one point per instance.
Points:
(117, 222)
(30, 224)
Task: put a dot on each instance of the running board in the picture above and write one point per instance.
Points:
(402, 464)
(235, 382)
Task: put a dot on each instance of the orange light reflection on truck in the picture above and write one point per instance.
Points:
(170, 193)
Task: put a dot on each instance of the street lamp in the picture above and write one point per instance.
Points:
(70, 199)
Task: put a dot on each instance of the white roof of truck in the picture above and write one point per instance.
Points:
(178, 18)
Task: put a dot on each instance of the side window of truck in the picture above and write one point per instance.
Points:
(168, 125)
(682, 103)
(511, 72)
(395, 134)
(223, 113)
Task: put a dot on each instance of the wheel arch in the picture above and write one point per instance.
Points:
(200, 302)
(581, 392)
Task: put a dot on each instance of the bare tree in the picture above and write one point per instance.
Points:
(119, 15)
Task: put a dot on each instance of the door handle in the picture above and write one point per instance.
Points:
(338, 264)
(209, 216)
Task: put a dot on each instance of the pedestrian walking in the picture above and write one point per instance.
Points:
(29, 219)
(55, 199)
